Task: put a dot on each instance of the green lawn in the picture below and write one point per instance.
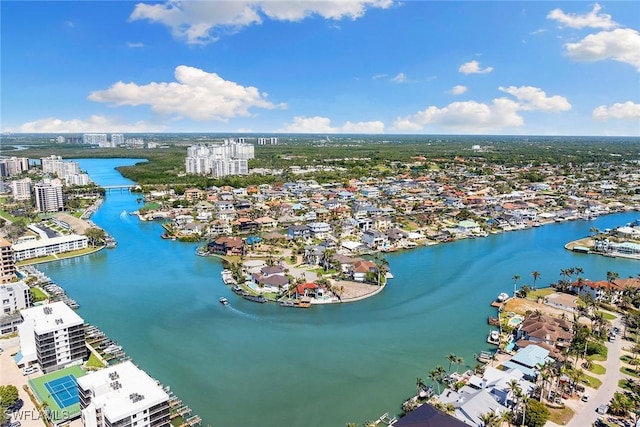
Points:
(608, 316)
(94, 362)
(597, 369)
(597, 357)
(7, 215)
(540, 293)
(630, 372)
(38, 294)
(591, 381)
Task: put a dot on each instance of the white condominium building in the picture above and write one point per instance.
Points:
(44, 247)
(268, 141)
(14, 296)
(49, 196)
(21, 189)
(117, 138)
(228, 158)
(13, 166)
(94, 138)
(77, 179)
(62, 168)
(122, 395)
(52, 335)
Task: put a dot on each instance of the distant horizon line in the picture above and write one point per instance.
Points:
(325, 135)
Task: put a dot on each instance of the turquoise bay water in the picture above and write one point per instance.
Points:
(263, 365)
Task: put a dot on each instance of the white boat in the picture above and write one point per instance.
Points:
(494, 337)
(503, 297)
(224, 301)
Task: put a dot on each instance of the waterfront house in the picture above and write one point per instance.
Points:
(361, 268)
(541, 328)
(375, 239)
(270, 283)
(227, 246)
(308, 289)
(428, 416)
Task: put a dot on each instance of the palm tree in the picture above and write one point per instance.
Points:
(515, 283)
(489, 419)
(536, 276)
(611, 276)
(515, 390)
(459, 361)
(452, 359)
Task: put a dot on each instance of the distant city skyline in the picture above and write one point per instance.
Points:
(326, 67)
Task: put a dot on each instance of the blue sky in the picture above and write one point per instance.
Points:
(370, 66)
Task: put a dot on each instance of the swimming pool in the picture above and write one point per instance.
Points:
(515, 321)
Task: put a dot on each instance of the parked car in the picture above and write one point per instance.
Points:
(29, 370)
(585, 398)
(602, 409)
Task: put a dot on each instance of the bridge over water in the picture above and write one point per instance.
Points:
(123, 187)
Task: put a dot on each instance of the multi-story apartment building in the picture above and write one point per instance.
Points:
(228, 158)
(122, 395)
(267, 141)
(94, 138)
(117, 138)
(21, 189)
(62, 168)
(77, 179)
(7, 262)
(49, 196)
(14, 296)
(54, 245)
(53, 336)
(13, 166)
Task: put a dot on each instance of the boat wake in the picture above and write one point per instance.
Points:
(241, 313)
(123, 214)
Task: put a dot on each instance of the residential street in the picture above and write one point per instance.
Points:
(585, 412)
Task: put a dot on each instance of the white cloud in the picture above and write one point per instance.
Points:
(621, 44)
(202, 22)
(319, 124)
(195, 94)
(134, 45)
(533, 98)
(96, 123)
(458, 90)
(378, 76)
(399, 78)
(476, 117)
(468, 116)
(70, 24)
(627, 110)
(473, 67)
(593, 19)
